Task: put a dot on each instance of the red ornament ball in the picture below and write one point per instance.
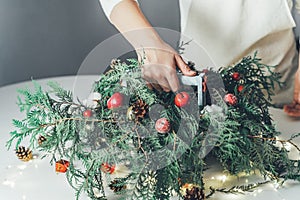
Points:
(182, 99)
(236, 76)
(87, 113)
(230, 99)
(240, 88)
(162, 125)
(115, 101)
(107, 168)
(61, 166)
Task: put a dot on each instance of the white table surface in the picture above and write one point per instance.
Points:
(37, 180)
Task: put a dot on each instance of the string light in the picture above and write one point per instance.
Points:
(276, 186)
(9, 183)
(22, 167)
(288, 146)
(223, 178)
(96, 192)
(12, 183)
(259, 190)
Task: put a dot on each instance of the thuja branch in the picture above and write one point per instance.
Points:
(112, 137)
(276, 140)
(140, 147)
(237, 189)
(75, 119)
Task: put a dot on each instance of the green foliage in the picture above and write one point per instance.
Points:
(241, 136)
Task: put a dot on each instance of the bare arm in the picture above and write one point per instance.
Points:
(127, 16)
(160, 59)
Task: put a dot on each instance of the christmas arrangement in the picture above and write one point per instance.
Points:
(145, 144)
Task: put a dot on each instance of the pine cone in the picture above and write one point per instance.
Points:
(139, 109)
(192, 192)
(41, 139)
(195, 193)
(117, 186)
(24, 154)
(114, 62)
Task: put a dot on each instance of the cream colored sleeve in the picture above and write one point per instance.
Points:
(108, 6)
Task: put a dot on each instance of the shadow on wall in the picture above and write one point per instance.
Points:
(52, 37)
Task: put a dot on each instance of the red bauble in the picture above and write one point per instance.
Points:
(240, 88)
(182, 99)
(87, 113)
(115, 101)
(236, 76)
(162, 125)
(61, 166)
(107, 168)
(230, 99)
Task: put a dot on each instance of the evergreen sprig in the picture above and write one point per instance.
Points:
(242, 136)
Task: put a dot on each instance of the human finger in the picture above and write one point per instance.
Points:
(185, 69)
(164, 84)
(173, 81)
(157, 87)
(149, 85)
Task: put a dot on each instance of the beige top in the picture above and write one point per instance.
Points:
(229, 31)
(225, 31)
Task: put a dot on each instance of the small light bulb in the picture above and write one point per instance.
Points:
(9, 183)
(22, 167)
(259, 190)
(288, 146)
(223, 178)
(276, 186)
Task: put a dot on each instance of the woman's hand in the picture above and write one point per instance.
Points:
(294, 108)
(159, 67)
(160, 60)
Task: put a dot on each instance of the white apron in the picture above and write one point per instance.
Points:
(231, 29)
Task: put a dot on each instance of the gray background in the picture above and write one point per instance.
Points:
(44, 38)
